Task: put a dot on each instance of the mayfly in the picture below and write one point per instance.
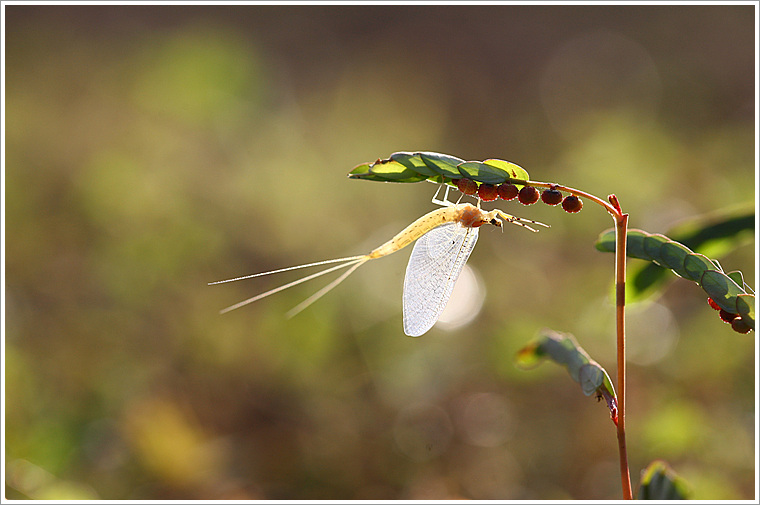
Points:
(445, 238)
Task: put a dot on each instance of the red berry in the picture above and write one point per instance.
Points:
(487, 192)
(507, 191)
(712, 303)
(572, 204)
(528, 195)
(727, 316)
(740, 326)
(467, 186)
(551, 196)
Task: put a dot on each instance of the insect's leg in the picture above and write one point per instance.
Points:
(445, 202)
(434, 200)
(520, 221)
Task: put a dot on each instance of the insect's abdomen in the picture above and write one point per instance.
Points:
(416, 230)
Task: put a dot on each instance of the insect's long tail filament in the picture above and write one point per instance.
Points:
(355, 261)
(317, 263)
(319, 294)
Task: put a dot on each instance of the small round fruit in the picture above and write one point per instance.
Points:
(488, 192)
(507, 191)
(712, 303)
(528, 195)
(551, 196)
(740, 326)
(467, 186)
(572, 204)
(727, 316)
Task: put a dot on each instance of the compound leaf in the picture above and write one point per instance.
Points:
(669, 254)
(406, 166)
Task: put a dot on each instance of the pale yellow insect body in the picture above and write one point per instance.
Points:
(467, 218)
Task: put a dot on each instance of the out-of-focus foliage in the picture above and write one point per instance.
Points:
(660, 482)
(152, 149)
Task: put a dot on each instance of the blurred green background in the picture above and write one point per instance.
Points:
(153, 149)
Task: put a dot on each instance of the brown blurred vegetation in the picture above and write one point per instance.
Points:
(152, 149)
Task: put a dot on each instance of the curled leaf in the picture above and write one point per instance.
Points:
(564, 350)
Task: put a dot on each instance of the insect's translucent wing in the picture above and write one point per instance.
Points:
(434, 266)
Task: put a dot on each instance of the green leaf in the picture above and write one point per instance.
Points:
(515, 172)
(394, 171)
(413, 161)
(480, 172)
(737, 277)
(591, 377)
(673, 255)
(564, 350)
(652, 245)
(442, 164)
(722, 289)
(660, 482)
(605, 242)
(745, 306)
(634, 243)
(362, 172)
(695, 265)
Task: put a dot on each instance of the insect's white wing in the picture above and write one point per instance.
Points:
(434, 266)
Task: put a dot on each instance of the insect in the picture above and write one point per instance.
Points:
(445, 238)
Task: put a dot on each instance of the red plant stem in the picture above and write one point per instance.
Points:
(621, 224)
(621, 234)
(611, 209)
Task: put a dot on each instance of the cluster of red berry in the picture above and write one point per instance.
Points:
(735, 320)
(528, 195)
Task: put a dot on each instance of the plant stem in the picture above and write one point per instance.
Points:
(615, 211)
(621, 234)
(621, 225)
